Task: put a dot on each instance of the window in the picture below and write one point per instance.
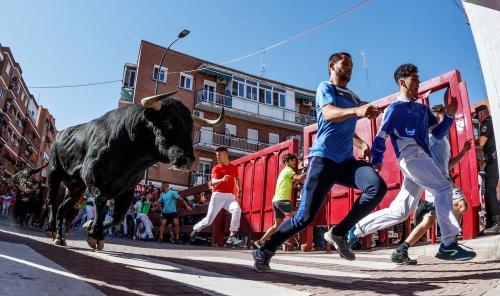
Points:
(274, 139)
(238, 87)
(204, 167)
(253, 136)
(279, 97)
(2, 92)
(265, 94)
(230, 130)
(163, 74)
(198, 113)
(252, 92)
(14, 140)
(129, 80)
(186, 81)
(7, 70)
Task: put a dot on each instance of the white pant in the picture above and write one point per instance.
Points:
(420, 172)
(220, 201)
(90, 211)
(5, 208)
(148, 226)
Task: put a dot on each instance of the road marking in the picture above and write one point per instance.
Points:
(324, 274)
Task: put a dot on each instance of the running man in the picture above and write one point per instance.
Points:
(408, 124)
(282, 205)
(331, 161)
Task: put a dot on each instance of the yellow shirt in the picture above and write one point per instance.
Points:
(284, 185)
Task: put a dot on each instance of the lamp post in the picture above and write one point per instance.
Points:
(182, 34)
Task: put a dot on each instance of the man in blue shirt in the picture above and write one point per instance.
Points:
(168, 202)
(408, 124)
(331, 161)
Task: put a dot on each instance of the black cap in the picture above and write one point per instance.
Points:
(437, 108)
(219, 149)
(481, 108)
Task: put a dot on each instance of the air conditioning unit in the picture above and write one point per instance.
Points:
(221, 80)
(307, 102)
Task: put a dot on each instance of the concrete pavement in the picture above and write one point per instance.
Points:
(129, 267)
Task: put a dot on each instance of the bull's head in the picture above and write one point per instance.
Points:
(172, 125)
(22, 179)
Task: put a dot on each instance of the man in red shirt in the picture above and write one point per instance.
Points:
(224, 177)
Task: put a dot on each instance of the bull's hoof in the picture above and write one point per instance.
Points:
(86, 227)
(100, 245)
(60, 242)
(50, 233)
(92, 242)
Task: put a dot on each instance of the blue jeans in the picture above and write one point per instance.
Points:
(322, 174)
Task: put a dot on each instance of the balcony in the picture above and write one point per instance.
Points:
(127, 94)
(197, 178)
(249, 110)
(207, 139)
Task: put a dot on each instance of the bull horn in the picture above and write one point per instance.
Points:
(36, 170)
(154, 101)
(207, 122)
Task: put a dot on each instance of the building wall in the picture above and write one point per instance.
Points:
(175, 62)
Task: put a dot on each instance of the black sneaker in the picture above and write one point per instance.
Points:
(193, 236)
(454, 252)
(261, 260)
(340, 245)
(402, 258)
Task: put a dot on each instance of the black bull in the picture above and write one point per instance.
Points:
(109, 155)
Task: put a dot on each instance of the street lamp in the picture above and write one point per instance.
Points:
(182, 34)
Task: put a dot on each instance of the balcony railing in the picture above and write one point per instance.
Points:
(127, 94)
(253, 108)
(207, 137)
(198, 178)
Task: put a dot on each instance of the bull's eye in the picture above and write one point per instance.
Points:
(167, 124)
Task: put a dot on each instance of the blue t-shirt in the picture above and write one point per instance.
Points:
(169, 200)
(408, 123)
(334, 139)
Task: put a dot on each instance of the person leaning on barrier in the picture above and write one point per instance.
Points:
(487, 142)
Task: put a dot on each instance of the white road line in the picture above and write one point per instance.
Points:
(208, 282)
(355, 263)
(324, 274)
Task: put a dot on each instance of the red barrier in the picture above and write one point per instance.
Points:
(340, 199)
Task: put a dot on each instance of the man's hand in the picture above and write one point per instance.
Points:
(189, 208)
(226, 178)
(452, 107)
(368, 111)
(240, 194)
(365, 152)
(377, 167)
(467, 145)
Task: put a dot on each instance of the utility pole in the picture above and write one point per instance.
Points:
(365, 65)
(262, 66)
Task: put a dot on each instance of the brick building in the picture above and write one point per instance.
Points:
(259, 112)
(24, 139)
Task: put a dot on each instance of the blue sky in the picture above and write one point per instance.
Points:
(73, 42)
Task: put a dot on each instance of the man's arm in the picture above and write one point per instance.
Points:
(453, 161)
(332, 113)
(378, 147)
(365, 149)
(238, 186)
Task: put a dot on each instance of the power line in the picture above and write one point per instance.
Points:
(260, 51)
(78, 85)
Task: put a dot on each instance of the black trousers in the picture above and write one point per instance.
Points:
(490, 195)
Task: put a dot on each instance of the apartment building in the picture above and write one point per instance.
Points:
(23, 140)
(259, 112)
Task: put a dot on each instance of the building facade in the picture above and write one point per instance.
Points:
(259, 112)
(22, 140)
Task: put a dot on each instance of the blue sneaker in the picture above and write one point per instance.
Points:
(352, 240)
(261, 260)
(454, 252)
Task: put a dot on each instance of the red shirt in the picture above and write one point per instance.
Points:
(218, 172)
